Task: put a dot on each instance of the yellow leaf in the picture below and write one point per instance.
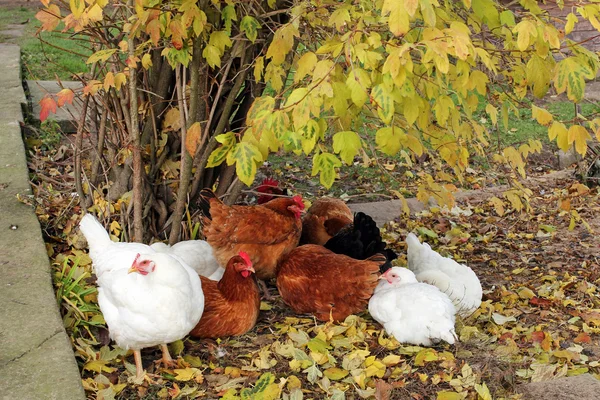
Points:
(445, 395)
(483, 392)
(146, 61)
(411, 6)
(358, 82)
(580, 136)
(398, 20)
(389, 139)
(391, 360)
(250, 26)
(559, 131)
(346, 144)
(492, 112)
(526, 31)
(305, 66)
(77, 7)
(325, 164)
(542, 116)
(571, 21)
(172, 119)
(335, 374)
(245, 155)
(120, 80)
(571, 74)
(95, 13)
(186, 374)
(101, 55)
(498, 205)
(425, 355)
(192, 138)
(384, 100)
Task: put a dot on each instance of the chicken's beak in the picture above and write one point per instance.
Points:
(251, 269)
(382, 277)
(134, 266)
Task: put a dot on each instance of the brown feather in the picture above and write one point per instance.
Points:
(266, 232)
(326, 217)
(231, 305)
(317, 281)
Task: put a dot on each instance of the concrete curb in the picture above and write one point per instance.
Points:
(36, 357)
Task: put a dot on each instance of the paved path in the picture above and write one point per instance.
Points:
(36, 358)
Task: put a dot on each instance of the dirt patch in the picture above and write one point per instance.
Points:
(33, 4)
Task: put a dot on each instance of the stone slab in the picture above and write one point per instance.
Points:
(66, 116)
(581, 387)
(36, 358)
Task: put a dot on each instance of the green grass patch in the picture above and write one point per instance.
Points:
(50, 56)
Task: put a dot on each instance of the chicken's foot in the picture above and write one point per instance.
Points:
(166, 359)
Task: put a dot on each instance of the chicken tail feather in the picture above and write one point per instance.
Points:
(94, 232)
(204, 201)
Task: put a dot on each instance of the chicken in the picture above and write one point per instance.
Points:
(360, 240)
(458, 281)
(266, 232)
(195, 253)
(317, 281)
(325, 217)
(147, 298)
(232, 304)
(269, 189)
(412, 312)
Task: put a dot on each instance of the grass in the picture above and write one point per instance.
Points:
(52, 55)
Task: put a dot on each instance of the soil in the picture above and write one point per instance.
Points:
(33, 4)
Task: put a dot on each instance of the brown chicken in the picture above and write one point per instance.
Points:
(325, 217)
(317, 281)
(231, 305)
(267, 232)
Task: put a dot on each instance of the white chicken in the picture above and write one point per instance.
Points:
(458, 281)
(412, 312)
(147, 298)
(198, 254)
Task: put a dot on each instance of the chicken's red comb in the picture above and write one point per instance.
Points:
(270, 182)
(299, 202)
(246, 258)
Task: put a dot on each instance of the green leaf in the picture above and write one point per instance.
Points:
(228, 14)
(325, 164)
(570, 76)
(346, 144)
(245, 155)
(220, 153)
(313, 373)
(389, 139)
(318, 345)
(292, 141)
(250, 26)
(101, 55)
(483, 392)
(507, 18)
(425, 355)
(384, 100)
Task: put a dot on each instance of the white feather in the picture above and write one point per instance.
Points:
(198, 254)
(413, 312)
(458, 281)
(142, 311)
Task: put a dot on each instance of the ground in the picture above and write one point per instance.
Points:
(540, 317)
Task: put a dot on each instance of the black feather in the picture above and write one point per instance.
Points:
(204, 201)
(360, 240)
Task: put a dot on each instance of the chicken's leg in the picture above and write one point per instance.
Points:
(137, 355)
(166, 356)
(265, 290)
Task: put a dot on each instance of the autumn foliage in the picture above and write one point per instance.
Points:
(205, 90)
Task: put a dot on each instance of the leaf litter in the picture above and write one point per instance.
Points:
(540, 317)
